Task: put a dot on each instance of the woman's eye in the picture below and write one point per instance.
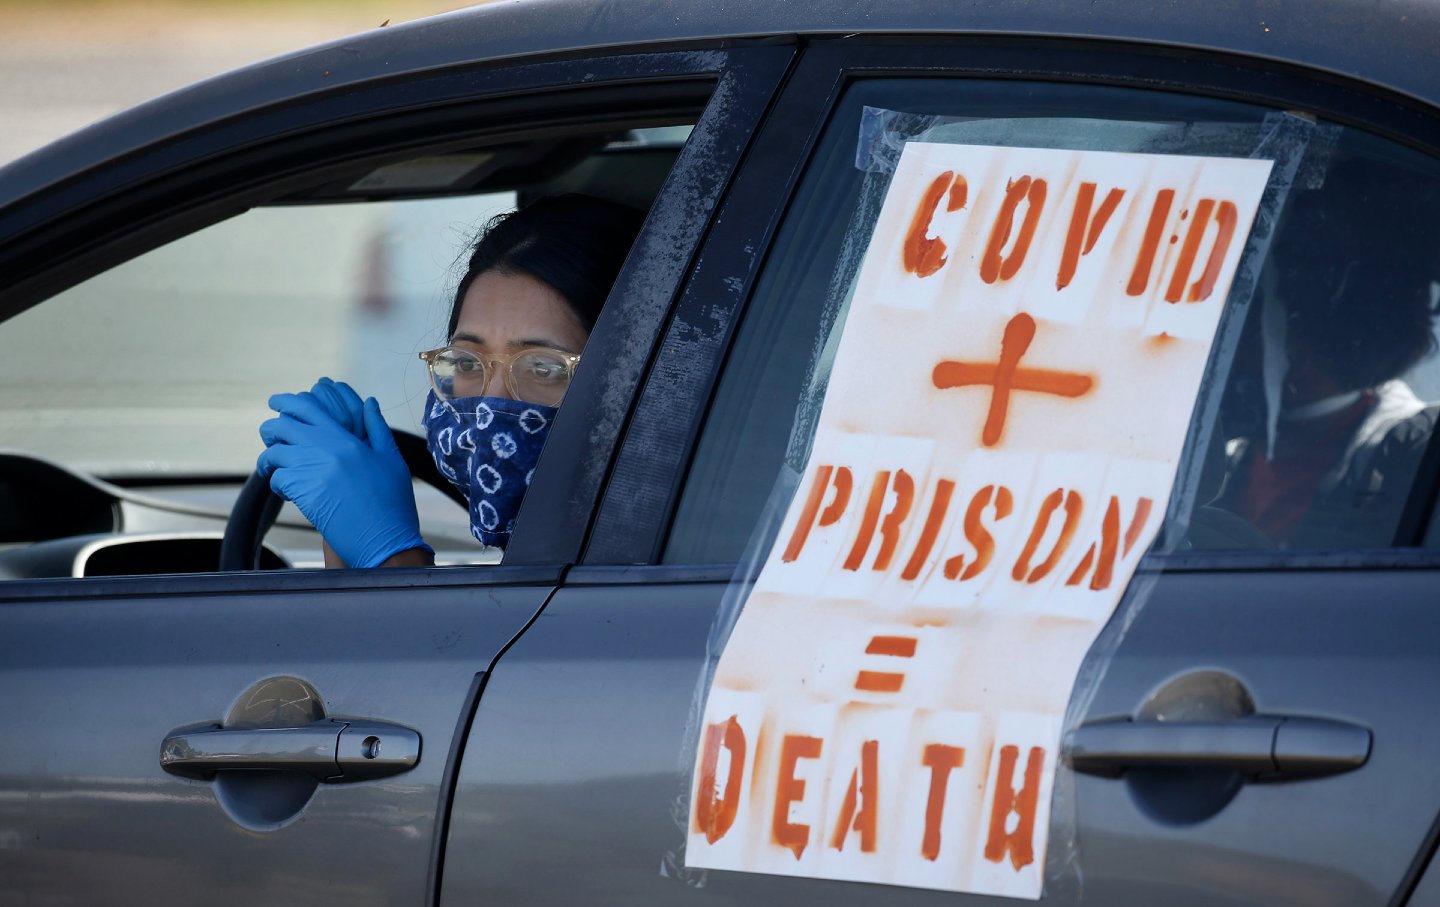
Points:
(467, 366)
(546, 371)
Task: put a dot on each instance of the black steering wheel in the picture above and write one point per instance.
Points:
(257, 506)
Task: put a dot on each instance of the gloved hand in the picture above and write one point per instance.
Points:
(354, 488)
(341, 403)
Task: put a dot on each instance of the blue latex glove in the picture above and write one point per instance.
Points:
(355, 490)
(342, 404)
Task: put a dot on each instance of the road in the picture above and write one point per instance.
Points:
(64, 65)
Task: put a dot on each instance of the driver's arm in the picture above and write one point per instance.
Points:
(412, 557)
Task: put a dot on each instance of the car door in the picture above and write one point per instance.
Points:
(283, 735)
(1225, 630)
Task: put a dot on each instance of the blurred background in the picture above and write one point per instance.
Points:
(193, 337)
(66, 63)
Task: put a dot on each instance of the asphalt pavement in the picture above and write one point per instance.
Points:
(66, 64)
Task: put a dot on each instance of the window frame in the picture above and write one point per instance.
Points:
(654, 462)
(108, 214)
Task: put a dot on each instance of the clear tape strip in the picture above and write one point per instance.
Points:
(1283, 138)
(1300, 149)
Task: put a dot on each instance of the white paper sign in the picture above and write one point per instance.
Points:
(998, 442)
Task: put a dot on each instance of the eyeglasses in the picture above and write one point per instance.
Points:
(536, 374)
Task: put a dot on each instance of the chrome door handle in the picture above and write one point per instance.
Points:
(333, 750)
(1263, 747)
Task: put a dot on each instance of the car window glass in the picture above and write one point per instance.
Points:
(1329, 390)
(154, 375)
(182, 346)
(157, 371)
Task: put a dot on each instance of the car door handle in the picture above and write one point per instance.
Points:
(1263, 747)
(333, 750)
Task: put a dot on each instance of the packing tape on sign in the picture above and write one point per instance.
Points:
(1289, 141)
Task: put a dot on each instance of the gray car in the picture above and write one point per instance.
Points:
(192, 711)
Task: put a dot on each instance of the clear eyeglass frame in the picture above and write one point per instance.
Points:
(519, 389)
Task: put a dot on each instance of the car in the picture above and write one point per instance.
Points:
(744, 646)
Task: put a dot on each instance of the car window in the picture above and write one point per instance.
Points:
(1329, 379)
(183, 345)
(153, 376)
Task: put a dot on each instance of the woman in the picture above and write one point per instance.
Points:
(522, 313)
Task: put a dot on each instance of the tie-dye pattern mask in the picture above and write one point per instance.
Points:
(488, 447)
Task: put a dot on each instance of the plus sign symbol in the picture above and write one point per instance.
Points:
(1006, 376)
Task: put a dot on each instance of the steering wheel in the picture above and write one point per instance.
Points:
(257, 506)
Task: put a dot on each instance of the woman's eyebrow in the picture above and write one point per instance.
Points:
(541, 341)
(521, 344)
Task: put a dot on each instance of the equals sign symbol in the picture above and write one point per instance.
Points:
(885, 681)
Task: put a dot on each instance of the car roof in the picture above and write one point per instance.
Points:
(1390, 45)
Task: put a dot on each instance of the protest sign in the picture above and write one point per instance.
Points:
(1000, 434)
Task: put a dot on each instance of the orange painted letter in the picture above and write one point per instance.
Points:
(890, 529)
(864, 789)
(715, 811)
(790, 789)
(1110, 546)
(1085, 230)
(1073, 506)
(1225, 221)
(1019, 843)
(803, 525)
(895, 519)
(1154, 230)
(995, 267)
(938, 506)
(977, 534)
(868, 521)
(942, 760)
(922, 254)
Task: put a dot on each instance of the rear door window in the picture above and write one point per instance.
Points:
(1325, 374)
(893, 673)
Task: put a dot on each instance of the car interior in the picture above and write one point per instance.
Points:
(348, 275)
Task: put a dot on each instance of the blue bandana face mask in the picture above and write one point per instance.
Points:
(488, 447)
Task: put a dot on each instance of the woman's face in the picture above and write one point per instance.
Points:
(504, 313)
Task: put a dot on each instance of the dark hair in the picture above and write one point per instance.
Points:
(574, 243)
